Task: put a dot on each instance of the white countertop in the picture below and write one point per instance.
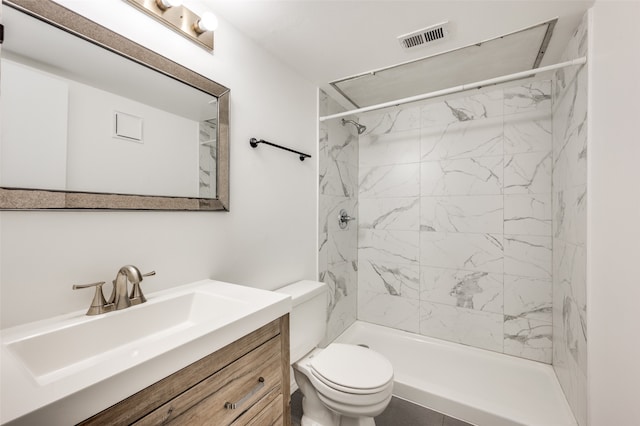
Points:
(71, 393)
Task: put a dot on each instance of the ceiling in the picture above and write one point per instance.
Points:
(327, 40)
(511, 53)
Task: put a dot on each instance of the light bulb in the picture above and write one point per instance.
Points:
(167, 4)
(208, 22)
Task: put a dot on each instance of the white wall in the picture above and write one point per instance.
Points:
(266, 240)
(613, 215)
(165, 162)
(59, 134)
(34, 111)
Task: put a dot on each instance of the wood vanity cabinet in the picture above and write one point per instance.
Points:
(252, 373)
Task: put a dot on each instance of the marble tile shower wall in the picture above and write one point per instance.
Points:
(454, 237)
(569, 226)
(338, 250)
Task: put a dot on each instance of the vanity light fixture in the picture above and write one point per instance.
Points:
(167, 4)
(180, 19)
(208, 22)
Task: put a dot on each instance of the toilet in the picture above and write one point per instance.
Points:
(342, 384)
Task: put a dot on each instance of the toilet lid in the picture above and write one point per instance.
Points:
(352, 366)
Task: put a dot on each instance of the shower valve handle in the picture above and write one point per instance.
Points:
(344, 219)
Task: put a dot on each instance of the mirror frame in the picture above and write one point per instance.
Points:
(36, 199)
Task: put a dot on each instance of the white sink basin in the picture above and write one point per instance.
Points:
(127, 350)
(72, 347)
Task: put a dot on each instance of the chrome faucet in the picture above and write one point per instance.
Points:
(120, 298)
(119, 295)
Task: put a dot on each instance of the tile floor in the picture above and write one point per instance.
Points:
(398, 413)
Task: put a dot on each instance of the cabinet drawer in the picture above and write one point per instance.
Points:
(271, 415)
(239, 383)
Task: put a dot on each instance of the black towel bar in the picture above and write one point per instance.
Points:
(254, 143)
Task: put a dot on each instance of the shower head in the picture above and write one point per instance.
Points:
(361, 128)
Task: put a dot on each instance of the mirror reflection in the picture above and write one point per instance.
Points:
(77, 117)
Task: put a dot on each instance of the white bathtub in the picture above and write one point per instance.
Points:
(478, 386)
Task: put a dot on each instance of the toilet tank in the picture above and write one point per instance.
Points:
(308, 318)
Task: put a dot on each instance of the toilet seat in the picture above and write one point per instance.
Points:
(347, 389)
(352, 369)
(349, 398)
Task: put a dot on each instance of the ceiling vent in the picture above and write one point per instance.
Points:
(424, 36)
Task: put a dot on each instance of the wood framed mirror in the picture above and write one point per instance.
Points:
(113, 125)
